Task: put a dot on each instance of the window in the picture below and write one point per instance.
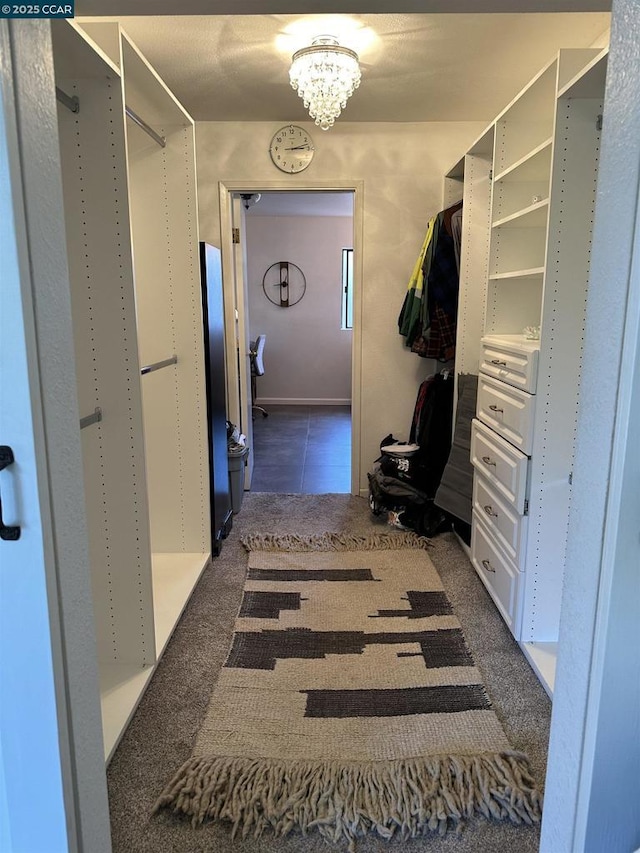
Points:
(347, 289)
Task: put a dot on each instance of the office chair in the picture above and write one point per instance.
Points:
(257, 369)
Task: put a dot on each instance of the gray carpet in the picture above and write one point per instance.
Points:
(162, 731)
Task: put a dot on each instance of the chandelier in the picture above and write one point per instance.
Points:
(325, 76)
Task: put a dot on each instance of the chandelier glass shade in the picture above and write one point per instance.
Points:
(325, 76)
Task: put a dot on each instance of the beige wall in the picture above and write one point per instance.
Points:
(402, 167)
(307, 354)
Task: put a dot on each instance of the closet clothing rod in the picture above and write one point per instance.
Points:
(158, 365)
(95, 418)
(161, 140)
(71, 103)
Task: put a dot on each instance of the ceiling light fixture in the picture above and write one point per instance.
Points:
(325, 75)
(249, 199)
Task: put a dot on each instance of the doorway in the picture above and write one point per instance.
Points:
(294, 280)
(300, 300)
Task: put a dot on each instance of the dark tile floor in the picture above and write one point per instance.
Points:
(302, 449)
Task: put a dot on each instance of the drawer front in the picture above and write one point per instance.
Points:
(505, 524)
(507, 411)
(498, 575)
(501, 464)
(517, 367)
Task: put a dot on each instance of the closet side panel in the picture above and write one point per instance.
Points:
(453, 190)
(165, 236)
(97, 217)
(575, 170)
(188, 328)
(474, 262)
(156, 338)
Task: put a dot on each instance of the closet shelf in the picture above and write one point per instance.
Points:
(77, 55)
(174, 578)
(589, 82)
(532, 216)
(536, 165)
(122, 686)
(512, 340)
(543, 659)
(536, 272)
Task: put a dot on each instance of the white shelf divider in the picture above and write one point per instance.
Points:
(543, 658)
(520, 164)
(174, 578)
(530, 273)
(122, 686)
(535, 215)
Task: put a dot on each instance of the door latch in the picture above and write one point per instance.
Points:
(8, 532)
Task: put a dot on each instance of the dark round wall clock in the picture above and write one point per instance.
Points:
(284, 284)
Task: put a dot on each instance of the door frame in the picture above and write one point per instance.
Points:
(227, 189)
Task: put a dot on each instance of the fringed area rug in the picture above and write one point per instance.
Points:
(349, 703)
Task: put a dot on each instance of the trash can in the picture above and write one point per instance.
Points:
(237, 461)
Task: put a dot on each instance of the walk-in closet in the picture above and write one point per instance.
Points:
(157, 128)
(527, 185)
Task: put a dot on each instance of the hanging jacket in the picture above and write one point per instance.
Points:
(410, 319)
(437, 336)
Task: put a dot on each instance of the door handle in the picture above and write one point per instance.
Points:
(8, 532)
(489, 510)
(487, 566)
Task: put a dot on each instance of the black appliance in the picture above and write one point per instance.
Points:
(213, 316)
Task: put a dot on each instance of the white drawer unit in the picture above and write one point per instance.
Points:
(504, 522)
(503, 465)
(497, 573)
(508, 411)
(512, 359)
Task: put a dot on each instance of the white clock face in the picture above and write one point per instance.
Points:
(292, 149)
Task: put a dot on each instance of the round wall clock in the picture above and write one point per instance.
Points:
(284, 284)
(292, 149)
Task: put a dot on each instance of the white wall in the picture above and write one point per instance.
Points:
(402, 165)
(307, 354)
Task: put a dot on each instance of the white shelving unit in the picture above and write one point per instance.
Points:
(471, 176)
(164, 226)
(131, 219)
(535, 260)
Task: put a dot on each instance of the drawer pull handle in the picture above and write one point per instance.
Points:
(497, 361)
(494, 408)
(489, 510)
(488, 460)
(487, 566)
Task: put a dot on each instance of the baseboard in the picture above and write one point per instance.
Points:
(463, 544)
(300, 401)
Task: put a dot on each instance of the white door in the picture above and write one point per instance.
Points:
(46, 781)
(236, 326)
(31, 763)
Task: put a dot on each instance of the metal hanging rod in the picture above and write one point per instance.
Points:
(158, 365)
(161, 140)
(71, 103)
(95, 418)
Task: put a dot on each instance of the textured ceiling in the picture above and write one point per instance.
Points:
(455, 67)
(303, 204)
